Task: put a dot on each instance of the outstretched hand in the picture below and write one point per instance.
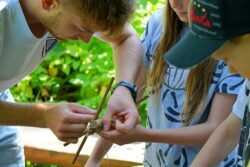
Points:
(68, 120)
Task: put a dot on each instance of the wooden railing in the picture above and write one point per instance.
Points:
(41, 146)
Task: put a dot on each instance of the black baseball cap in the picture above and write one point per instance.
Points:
(212, 23)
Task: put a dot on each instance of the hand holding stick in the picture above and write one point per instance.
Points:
(88, 130)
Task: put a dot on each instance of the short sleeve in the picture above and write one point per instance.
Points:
(225, 81)
(151, 36)
(241, 102)
(2, 13)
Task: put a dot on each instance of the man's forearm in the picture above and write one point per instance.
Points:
(128, 57)
(128, 60)
(22, 114)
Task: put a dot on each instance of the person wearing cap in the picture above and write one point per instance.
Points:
(235, 129)
(227, 39)
(185, 105)
(28, 29)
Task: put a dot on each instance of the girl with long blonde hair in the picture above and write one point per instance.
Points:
(186, 105)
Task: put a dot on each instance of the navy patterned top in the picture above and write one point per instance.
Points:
(166, 114)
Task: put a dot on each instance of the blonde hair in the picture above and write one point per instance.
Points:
(199, 78)
(109, 15)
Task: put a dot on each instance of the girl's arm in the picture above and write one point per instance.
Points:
(191, 136)
(101, 148)
(224, 138)
(198, 134)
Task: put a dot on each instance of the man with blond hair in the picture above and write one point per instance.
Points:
(28, 30)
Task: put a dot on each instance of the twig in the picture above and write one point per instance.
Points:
(96, 116)
(104, 98)
(141, 99)
(101, 105)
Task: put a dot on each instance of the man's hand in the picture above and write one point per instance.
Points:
(68, 121)
(121, 105)
(128, 61)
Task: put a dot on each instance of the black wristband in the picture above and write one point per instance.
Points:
(133, 89)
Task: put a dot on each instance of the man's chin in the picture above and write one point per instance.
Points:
(63, 38)
(56, 36)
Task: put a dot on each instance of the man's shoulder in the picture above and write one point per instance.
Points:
(3, 11)
(3, 4)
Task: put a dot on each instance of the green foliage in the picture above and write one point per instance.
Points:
(73, 71)
(78, 72)
(29, 164)
(144, 10)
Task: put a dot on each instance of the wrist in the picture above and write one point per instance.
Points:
(148, 135)
(141, 134)
(123, 91)
(43, 110)
(127, 86)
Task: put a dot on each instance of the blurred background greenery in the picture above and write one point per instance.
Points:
(78, 72)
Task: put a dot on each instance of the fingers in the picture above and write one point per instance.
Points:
(70, 132)
(69, 135)
(129, 122)
(80, 114)
(109, 135)
(75, 128)
(123, 121)
(107, 120)
(126, 126)
(81, 109)
(138, 119)
(78, 118)
(70, 140)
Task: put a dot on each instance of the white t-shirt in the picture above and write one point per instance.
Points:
(20, 51)
(242, 110)
(242, 100)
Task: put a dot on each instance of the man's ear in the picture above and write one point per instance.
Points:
(50, 4)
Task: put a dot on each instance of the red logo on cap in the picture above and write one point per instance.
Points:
(200, 19)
